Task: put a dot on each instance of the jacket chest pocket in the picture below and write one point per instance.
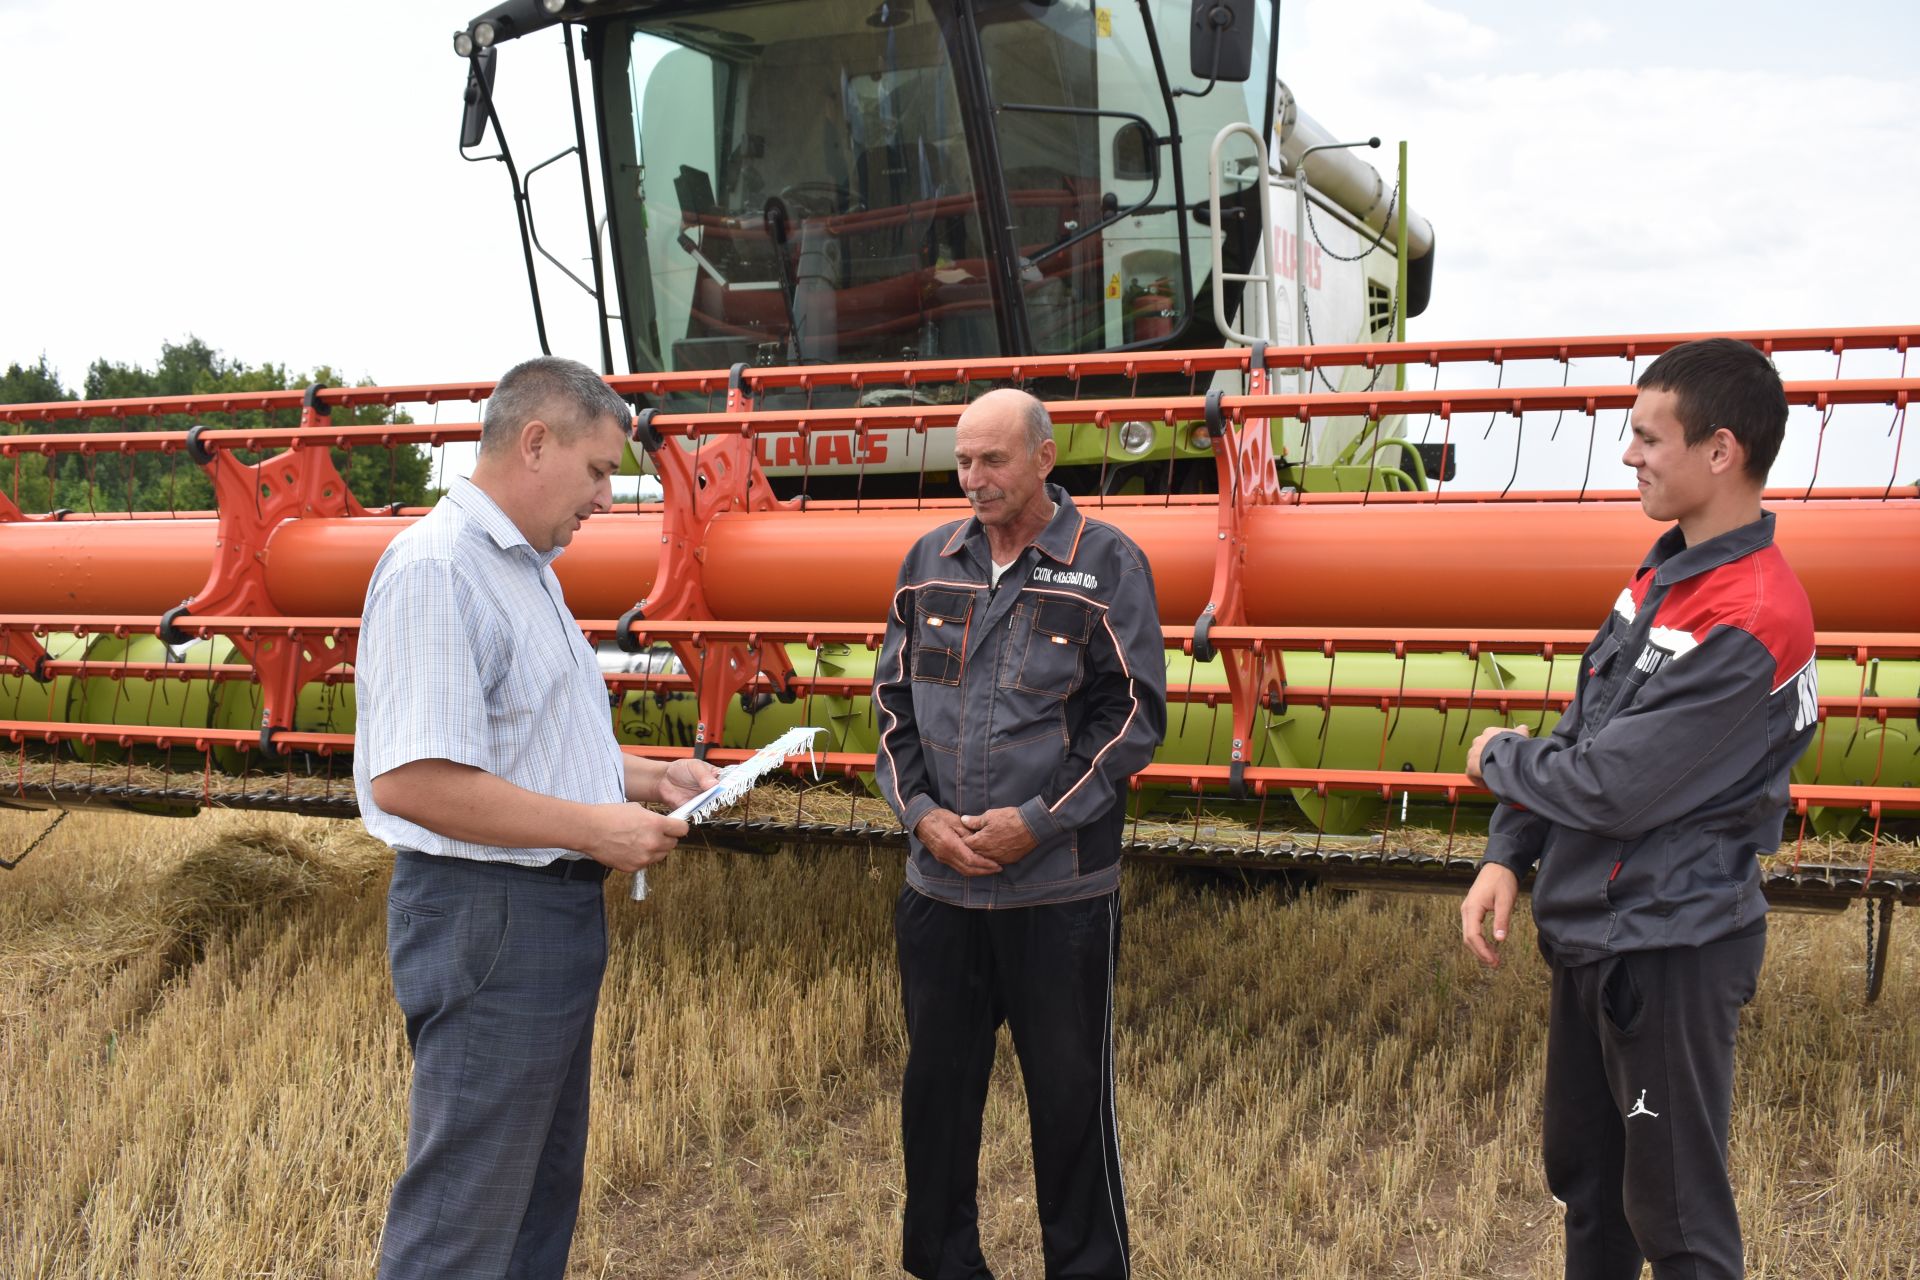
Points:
(940, 624)
(1049, 645)
(1603, 679)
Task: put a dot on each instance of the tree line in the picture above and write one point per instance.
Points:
(170, 481)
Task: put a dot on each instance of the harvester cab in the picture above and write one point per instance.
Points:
(866, 182)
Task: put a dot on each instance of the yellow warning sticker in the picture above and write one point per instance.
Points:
(1113, 285)
(1103, 22)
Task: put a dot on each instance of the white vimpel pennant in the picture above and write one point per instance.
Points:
(735, 782)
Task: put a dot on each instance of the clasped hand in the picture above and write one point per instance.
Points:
(977, 844)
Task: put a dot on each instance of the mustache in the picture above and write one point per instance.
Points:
(985, 495)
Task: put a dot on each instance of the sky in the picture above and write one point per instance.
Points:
(282, 181)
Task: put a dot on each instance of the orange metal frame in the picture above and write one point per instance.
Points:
(722, 476)
(707, 490)
(1248, 476)
(1820, 394)
(1896, 338)
(252, 501)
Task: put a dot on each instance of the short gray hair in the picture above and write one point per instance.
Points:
(1031, 413)
(564, 393)
(1039, 425)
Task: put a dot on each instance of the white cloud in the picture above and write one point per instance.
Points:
(1394, 30)
(1585, 199)
(1665, 198)
(1572, 199)
(284, 187)
(287, 187)
(1585, 31)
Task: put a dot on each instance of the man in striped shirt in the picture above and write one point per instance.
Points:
(485, 756)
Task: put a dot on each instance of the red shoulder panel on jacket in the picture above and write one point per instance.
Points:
(1757, 593)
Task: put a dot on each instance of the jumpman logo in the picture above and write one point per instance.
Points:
(1640, 1108)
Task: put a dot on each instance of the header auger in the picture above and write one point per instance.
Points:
(1330, 654)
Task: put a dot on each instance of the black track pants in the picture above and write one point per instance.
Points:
(1639, 1093)
(1047, 972)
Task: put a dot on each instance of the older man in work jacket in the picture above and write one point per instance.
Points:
(1022, 682)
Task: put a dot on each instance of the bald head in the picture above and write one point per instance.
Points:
(1019, 406)
(1003, 447)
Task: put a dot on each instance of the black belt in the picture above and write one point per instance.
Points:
(559, 868)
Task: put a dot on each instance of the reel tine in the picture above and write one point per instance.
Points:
(1473, 688)
(1400, 696)
(806, 454)
(1186, 703)
(1326, 712)
(1380, 760)
(1566, 374)
(1386, 820)
(1426, 426)
(1586, 470)
(1626, 415)
(1499, 380)
(920, 481)
(1893, 474)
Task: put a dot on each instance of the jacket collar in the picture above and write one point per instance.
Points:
(1059, 541)
(1676, 561)
(478, 506)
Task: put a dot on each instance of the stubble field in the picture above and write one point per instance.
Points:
(202, 1074)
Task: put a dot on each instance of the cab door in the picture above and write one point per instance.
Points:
(1083, 129)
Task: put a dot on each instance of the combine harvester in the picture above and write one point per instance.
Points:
(1340, 623)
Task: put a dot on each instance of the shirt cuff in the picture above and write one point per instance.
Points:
(917, 808)
(1510, 853)
(1039, 819)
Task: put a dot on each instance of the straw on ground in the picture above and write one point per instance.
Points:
(205, 1075)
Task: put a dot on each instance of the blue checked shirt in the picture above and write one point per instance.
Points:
(468, 653)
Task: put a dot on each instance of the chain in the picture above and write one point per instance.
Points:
(8, 864)
(1306, 312)
(1392, 315)
(1385, 224)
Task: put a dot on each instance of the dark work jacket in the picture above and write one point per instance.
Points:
(1650, 802)
(1043, 694)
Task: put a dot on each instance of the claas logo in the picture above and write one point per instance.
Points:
(822, 449)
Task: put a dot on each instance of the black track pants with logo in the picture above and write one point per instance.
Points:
(1047, 972)
(1639, 1093)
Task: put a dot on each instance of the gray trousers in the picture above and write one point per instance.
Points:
(498, 973)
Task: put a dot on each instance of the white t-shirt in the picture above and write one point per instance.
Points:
(999, 568)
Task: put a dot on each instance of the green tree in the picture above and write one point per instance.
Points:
(26, 480)
(113, 481)
(32, 384)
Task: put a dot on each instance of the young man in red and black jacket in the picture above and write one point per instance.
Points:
(1646, 810)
